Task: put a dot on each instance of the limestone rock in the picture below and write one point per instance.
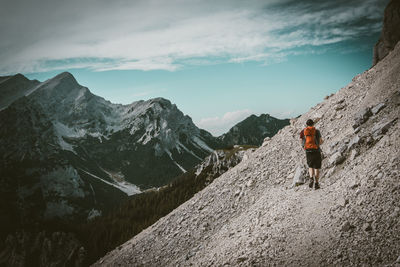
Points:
(367, 227)
(354, 142)
(346, 226)
(381, 128)
(390, 33)
(362, 117)
(299, 175)
(378, 108)
(336, 159)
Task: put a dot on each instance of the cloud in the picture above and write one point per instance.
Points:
(220, 125)
(168, 35)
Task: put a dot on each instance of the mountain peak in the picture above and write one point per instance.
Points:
(160, 103)
(19, 76)
(160, 100)
(65, 76)
(64, 81)
(14, 78)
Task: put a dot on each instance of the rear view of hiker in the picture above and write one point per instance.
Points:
(311, 140)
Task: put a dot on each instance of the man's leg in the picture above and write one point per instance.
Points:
(311, 172)
(316, 171)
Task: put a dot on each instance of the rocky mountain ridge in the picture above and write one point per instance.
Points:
(252, 130)
(253, 215)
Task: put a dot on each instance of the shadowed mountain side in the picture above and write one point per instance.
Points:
(390, 32)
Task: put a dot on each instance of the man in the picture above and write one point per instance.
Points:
(311, 140)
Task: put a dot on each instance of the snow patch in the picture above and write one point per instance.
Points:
(187, 150)
(201, 144)
(127, 188)
(180, 167)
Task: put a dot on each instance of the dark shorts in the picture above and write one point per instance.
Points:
(314, 159)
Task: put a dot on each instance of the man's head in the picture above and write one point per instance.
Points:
(310, 122)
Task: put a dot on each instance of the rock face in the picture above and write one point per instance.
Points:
(222, 160)
(252, 215)
(390, 32)
(253, 130)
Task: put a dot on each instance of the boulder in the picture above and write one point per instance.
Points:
(367, 227)
(378, 108)
(346, 227)
(354, 153)
(336, 159)
(266, 140)
(299, 175)
(362, 117)
(339, 106)
(354, 142)
(381, 128)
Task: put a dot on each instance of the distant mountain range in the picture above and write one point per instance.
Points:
(67, 153)
(253, 130)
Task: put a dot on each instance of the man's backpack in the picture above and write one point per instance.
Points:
(310, 136)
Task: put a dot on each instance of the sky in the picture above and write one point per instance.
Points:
(219, 61)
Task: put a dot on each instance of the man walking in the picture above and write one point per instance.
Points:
(311, 140)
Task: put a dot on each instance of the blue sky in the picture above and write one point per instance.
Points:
(218, 61)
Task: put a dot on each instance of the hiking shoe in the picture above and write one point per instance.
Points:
(311, 183)
(316, 186)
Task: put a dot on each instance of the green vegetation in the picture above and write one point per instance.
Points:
(109, 231)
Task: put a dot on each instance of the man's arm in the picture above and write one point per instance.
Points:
(321, 141)
(302, 138)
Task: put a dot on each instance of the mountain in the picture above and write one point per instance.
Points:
(253, 130)
(14, 87)
(69, 156)
(66, 153)
(253, 215)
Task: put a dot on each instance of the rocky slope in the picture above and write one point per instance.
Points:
(252, 214)
(221, 160)
(252, 130)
